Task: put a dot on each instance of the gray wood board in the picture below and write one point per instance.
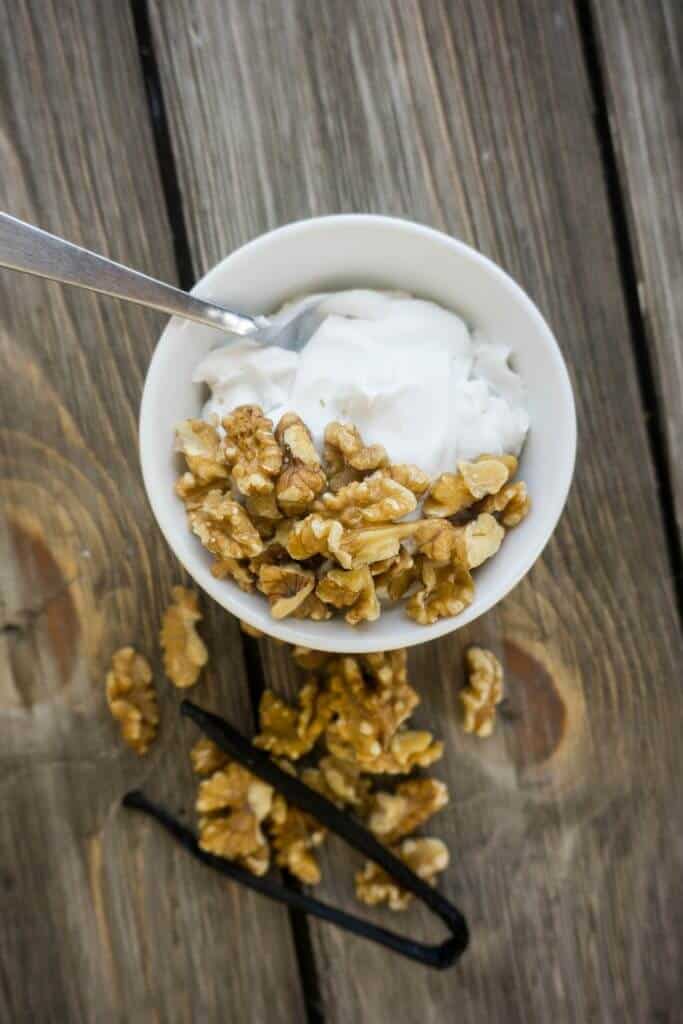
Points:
(102, 917)
(477, 119)
(641, 48)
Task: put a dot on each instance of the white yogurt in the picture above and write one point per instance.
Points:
(408, 373)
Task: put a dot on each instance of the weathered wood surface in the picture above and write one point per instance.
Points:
(102, 919)
(477, 118)
(641, 50)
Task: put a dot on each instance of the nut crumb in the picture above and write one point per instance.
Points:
(132, 698)
(184, 650)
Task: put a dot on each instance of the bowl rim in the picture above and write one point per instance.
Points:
(360, 640)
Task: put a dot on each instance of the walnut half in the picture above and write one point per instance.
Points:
(132, 699)
(484, 690)
(184, 650)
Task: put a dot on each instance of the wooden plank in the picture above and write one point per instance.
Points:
(102, 918)
(476, 118)
(640, 44)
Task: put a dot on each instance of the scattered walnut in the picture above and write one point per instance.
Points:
(344, 449)
(479, 540)
(295, 835)
(512, 502)
(286, 731)
(286, 587)
(483, 691)
(224, 528)
(315, 535)
(207, 757)
(238, 571)
(447, 590)
(232, 804)
(395, 576)
(306, 658)
(426, 857)
(369, 713)
(452, 492)
(377, 499)
(184, 650)
(200, 444)
(250, 630)
(409, 476)
(132, 699)
(250, 449)
(340, 781)
(393, 815)
(389, 669)
(353, 589)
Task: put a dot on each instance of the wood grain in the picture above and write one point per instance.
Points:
(102, 919)
(641, 44)
(477, 118)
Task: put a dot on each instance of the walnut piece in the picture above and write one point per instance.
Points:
(313, 608)
(426, 857)
(250, 449)
(372, 544)
(394, 815)
(452, 492)
(200, 444)
(483, 691)
(184, 650)
(370, 704)
(437, 540)
(446, 590)
(315, 535)
(286, 586)
(479, 540)
(224, 528)
(232, 805)
(395, 576)
(345, 451)
(295, 835)
(132, 699)
(409, 476)
(511, 504)
(263, 507)
(207, 757)
(298, 486)
(286, 731)
(374, 500)
(353, 589)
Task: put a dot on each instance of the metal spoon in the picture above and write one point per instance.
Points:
(32, 251)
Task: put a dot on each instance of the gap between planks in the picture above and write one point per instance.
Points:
(187, 277)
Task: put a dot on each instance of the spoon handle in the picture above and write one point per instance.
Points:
(32, 251)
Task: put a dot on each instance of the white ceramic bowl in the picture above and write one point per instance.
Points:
(371, 252)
